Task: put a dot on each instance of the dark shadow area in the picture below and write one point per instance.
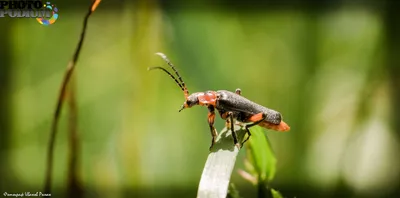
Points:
(235, 5)
(268, 5)
(392, 30)
(5, 103)
(79, 6)
(169, 192)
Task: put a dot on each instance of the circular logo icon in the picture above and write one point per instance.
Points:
(52, 19)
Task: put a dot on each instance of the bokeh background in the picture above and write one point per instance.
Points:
(331, 68)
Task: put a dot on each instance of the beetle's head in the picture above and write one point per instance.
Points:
(192, 100)
(200, 98)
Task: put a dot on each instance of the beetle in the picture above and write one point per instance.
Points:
(230, 105)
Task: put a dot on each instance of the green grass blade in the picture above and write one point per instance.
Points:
(260, 154)
(232, 192)
(276, 194)
(218, 169)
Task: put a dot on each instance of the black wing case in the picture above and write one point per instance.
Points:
(229, 101)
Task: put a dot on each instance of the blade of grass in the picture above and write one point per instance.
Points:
(232, 192)
(261, 155)
(276, 194)
(218, 169)
(260, 162)
(69, 70)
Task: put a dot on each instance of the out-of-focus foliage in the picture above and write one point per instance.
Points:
(232, 191)
(260, 161)
(276, 194)
(260, 156)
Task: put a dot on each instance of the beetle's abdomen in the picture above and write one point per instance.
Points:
(277, 127)
(229, 101)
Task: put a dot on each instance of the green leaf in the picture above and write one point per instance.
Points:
(260, 154)
(248, 164)
(233, 192)
(276, 194)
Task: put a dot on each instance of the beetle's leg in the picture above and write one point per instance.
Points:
(211, 118)
(234, 136)
(238, 91)
(256, 119)
(224, 115)
(248, 135)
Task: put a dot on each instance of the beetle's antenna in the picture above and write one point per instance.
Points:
(185, 90)
(173, 77)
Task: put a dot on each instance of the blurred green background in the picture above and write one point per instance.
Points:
(331, 68)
